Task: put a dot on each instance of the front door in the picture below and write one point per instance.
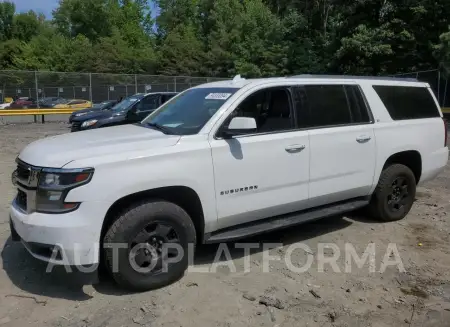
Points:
(265, 173)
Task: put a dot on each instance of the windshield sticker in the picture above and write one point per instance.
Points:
(218, 96)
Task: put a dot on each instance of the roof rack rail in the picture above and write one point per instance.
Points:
(389, 78)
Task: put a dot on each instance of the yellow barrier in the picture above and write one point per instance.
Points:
(33, 112)
(446, 110)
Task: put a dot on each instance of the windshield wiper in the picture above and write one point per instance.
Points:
(160, 128)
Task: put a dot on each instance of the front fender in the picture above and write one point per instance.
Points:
(115, 180)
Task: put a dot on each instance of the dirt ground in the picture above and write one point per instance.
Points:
(420, 296)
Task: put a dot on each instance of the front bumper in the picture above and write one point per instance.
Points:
(62, 239)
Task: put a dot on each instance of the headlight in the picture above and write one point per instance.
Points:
(53, 186)
(80, 114)
(89, 123)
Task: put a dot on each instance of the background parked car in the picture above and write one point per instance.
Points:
(105, 105)
(50, 102)
(74, 104)
(23, 103)
(130, 110)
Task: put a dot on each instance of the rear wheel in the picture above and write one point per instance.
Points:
(147, 246)
(395, 193)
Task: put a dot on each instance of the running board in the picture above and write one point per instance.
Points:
(279, 222)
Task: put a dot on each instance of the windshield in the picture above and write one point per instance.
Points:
(190, 111)
(127, 103)
(101, 104)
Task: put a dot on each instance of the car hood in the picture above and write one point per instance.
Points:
(57, 151)
(97, 114)
(85, 111)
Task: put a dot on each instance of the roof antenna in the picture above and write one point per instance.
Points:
(237, 78)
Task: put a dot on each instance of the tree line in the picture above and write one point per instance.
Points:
(227, 37)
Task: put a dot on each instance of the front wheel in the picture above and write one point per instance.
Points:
(147, 246)
(394, 194)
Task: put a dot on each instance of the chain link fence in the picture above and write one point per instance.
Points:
(97, 87)
(94, 87)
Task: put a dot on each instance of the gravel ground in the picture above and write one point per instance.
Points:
(419, 296)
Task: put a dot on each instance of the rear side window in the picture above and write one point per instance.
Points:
(328, 105)
(405, 102)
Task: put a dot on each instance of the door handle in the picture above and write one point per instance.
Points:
(295, 148)
(363, 139)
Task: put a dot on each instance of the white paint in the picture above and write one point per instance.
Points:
(330, 166)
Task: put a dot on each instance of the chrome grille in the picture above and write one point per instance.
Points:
(26, 178)
(21, 200)
(23, 172)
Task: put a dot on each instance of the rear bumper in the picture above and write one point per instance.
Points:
(433, 164)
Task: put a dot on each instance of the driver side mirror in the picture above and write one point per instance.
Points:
(239, 126)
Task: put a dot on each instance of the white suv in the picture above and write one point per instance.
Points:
(223, 161)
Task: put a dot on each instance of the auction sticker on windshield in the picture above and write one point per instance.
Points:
(218, 96)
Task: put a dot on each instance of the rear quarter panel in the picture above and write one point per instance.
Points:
(423, 135)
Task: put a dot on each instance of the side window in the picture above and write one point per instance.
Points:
(271, 109)
(405, 102)
(358, 107)
(166, 97)
(149, 103)
(328, 105)
(301, 107)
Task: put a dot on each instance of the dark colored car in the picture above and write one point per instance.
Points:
(23, 103)
(50, 102)
(105, 105)
(130, 110)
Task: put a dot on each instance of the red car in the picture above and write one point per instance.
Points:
(23, 103)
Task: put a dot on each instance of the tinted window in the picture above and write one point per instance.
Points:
(166, 97)
(301, 106)
(149, 103)
(328, 105)
(191, 110)
(358, 108)
(270, 108)
(404, 102)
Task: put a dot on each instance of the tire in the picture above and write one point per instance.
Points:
(385, 204)
(139, 220)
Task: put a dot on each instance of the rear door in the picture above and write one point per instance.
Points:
(342, 142)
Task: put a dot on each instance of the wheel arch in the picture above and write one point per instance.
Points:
(183, 196)
(410, 158)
